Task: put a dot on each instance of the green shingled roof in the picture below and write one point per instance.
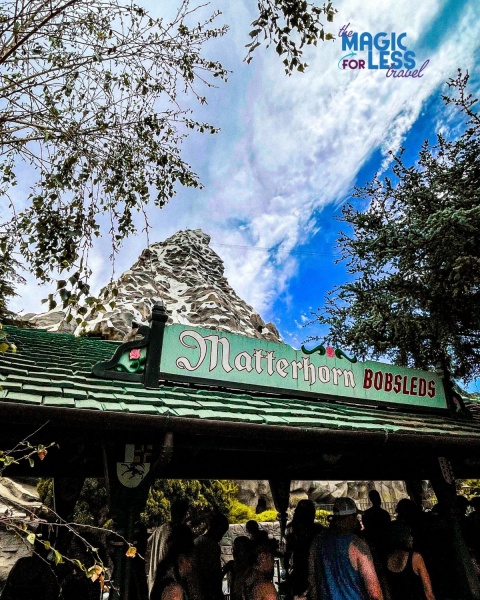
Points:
(54, 370)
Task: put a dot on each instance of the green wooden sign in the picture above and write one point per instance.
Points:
(208, 355)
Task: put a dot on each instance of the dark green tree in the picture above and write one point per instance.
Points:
(9, 276)
(205, 496)
(414, 257)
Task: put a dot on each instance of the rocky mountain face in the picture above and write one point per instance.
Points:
(183, 272)
(257, 493)
(16, 500)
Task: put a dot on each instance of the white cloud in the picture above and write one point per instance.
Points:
(291, 145)
(308, 136)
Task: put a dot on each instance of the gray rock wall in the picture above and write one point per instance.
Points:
(322, 492)
(273, 530)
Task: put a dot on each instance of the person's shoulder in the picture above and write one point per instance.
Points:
(172, 591)
(264, 590)
(205, 544)
(417, 558)
(360, 544)
(319, 536)
(228, 566)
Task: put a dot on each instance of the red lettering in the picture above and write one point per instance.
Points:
(398, 384)
(378, 380)
(367, 380)
(413, 386)
(388, 382)
(422, 387)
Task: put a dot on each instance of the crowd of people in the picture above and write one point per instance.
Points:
(370, 556)
(359, 556)
(365, 556)
(181, 567)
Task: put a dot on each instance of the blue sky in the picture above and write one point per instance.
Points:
(291, 149)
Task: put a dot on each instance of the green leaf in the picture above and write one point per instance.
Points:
(31, 538)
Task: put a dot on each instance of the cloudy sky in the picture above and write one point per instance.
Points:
(291, 149)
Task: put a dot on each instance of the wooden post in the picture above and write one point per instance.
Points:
(128, 485)
(415, 490)
(131, 468)
(443, 483)
(280, 489)
(66, 491)
(152, 369)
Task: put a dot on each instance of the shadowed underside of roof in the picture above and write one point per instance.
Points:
(49, 380)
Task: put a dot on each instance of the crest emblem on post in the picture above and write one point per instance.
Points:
(133, 470)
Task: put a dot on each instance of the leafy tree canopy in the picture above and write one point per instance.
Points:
(415, 257)
(204, 496)
(93, 99)
(9, 276)
(290, 25)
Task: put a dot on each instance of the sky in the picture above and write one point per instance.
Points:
(291, 149)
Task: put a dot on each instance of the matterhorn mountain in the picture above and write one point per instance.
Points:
(184, 273)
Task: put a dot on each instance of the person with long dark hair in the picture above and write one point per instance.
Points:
(405, 572)
(171, 579)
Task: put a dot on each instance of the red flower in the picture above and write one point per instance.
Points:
(135, 354)
(330, 352)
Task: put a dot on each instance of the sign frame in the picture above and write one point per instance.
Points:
(231, 361)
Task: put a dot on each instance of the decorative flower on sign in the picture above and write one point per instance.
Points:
(135, 354)
(329, 351)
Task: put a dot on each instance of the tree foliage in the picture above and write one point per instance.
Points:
(289, 25)
(205, 497)
(91, 98)
(9, 277)
(474, 485)
(94, 98)
(91, 507)
(415, 257)
(241, 513)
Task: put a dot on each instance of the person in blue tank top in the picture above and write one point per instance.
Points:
(340, 563)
